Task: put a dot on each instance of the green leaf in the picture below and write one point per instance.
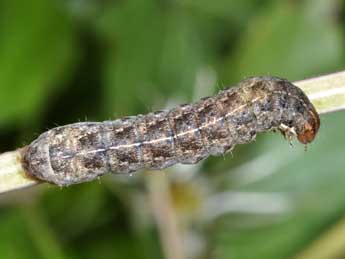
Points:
(36, 50)
(152, 56)
(288, 39)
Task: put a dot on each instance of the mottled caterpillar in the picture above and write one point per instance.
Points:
(186, 134)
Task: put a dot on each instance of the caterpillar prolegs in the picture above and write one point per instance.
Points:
(186, 134)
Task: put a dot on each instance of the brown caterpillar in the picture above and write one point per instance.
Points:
(83, 151)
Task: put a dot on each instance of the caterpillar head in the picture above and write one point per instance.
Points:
(302, 123)
(307, 131)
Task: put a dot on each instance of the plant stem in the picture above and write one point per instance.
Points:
(164, 214)
(12, 175)
(327, 93)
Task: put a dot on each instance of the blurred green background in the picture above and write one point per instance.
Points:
(75, 60)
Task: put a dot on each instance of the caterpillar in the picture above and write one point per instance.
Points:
(81, 152)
